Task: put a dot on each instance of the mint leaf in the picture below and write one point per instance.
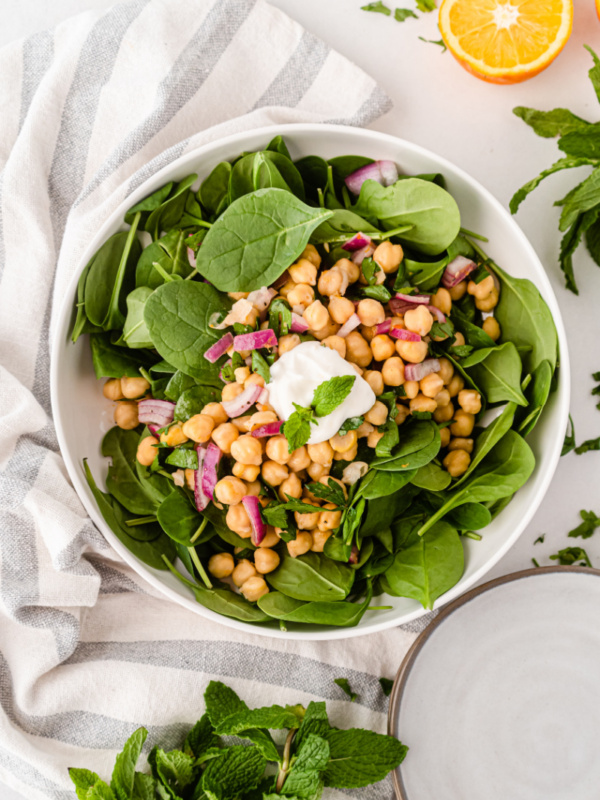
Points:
(221, 702)
(271, 717)
(123, 776)
(386, 686)
(583, 143)
(351, 424)
(296, 429)
(332, 393)
(594, 73)
(580, 199)
(359, 757)
(378, 7)
(143, 787)
(569, 555)
(440, 42)
(314, 753)
(426, 5)
(303, 783)
(550, 124)
(586, 528)
(369, 269)
(86, 781)
(332, 492)
(315, 722)
(563, 163)
(173, 769)
(201, 738)
(400, 14)
(344, 685)
(239, 770)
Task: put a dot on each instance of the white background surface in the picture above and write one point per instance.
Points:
(440, 106)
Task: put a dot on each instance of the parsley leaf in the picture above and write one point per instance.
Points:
(260, 366)
(540, 539)
(439, 42)
(280, 317)
(297, 428)
(589, 444)
(569, 443)
(586, 528)
(369, 270)
(332, 393)
(378, 7)
(332, 492)
(351, 424)
(569, 555)
(344, 685)
(400, 14)
(386, 686)
(426, 5)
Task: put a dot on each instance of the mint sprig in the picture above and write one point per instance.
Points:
(326, 398)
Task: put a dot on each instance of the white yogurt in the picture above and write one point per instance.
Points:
(296, 375)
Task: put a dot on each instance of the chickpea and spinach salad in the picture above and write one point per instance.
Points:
(209, 290)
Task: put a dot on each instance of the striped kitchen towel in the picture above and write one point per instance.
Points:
(88, 650)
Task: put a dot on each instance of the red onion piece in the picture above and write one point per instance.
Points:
(357, 242)
(191, 257)
(414, 299)
(226, 364)
(404, 335)
(263, 397)
(383, 327)
(158, 411)
(439, 315)
(384, 172)
(240, 404)
(365, 252)
(209, 469)
(270, 429)
(399, 306)
(354, 555)
(457, 270)
(200, 498)
(259, 529)
(416, 372)
(299, 324)
(255, 340)
(154, 429)
(348, 326)
(219, 348)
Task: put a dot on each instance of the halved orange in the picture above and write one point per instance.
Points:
(598, 8)
(505, 41)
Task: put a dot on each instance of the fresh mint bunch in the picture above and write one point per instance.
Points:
(315, 756)
(326, 398)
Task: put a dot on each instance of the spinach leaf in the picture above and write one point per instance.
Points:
(111, 361)
(170, 253)
(431, 477)
(313, 171)
(341, 614)
(256, 239)
(180, 520)
(489, 438)
(213, 189)
(149, 204)
(169, 213)
(193, 400)
(341, 226)
(497, 371)
(470, 516)
(177, 384)
(537, 394)
(413, 437)
(264, 170)
(401, 461)
(312, 577)
(428, 568)
(431, 210)
(381, 484)
(135, 331)
(178, 318)
(474, 335)
(342, 166)
(425, 274)
(82, 323)
(122, 481)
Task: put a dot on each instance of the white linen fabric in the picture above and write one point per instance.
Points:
(89, 651)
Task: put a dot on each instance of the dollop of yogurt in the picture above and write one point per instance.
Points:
(296, 375)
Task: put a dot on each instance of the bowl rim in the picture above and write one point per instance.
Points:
(60, 338)
(408, 662)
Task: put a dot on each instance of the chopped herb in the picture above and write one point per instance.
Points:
(400, 14)
(351, 424)
(535, 562)
(280, 317)
(426, 5)
(332, 492)
(569, 443)
(442, 329)
(370, 269)
(260, 366)
(461, 350)
(586, 528)
(439, 42)
(344, 685)
(378, 7)
(569, 555)
(589, 444)
(540, 539)
(386, 686)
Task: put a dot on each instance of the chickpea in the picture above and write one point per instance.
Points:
(377, 414)
(319, 538)
(457, 462)
(331, 282)
(199, 428)
(388, 256)
(359, 370)
(330, 329)
(126, 415)
(463, 424)
(418, 320)
(248, 450)
(317, 471)
(446, 370)
(321, 453)
(368, 332)
(265, 560)
(351, 269)
(492, 328)
(364, 430)
(442, 398)
(288, 342)
(291, 486)
(287, 288)
(301, 295)
(343, 443)
(243, 571)
(329, 518)
(273, 473)
(262, 418)
(245, 472)
(423, 404)
(373, 438)
(253, 488)
(230, 490)
(254, 380)
(231, 391)
(340, 309)
(459, 443)
(375, 380)
(382, 347)
(242, 374)
(459, 339)
(277, 449)
(303, 271)
(431, 385)
(238, 295)
(481, 289)
(221, 565)
(271, 538)
(254, 589)
(311, 254)
(392, 371)
(134, 387)
(444, 413)
(442, 300)
(370, 312)
(488, 303)
(456, 385)
(308, 521)
(316, 316)
(299, 459)
(411, 389)
(336, 343)
(415, 352)
(445, 436)
(146, 451)
(112, 389)
(242, 424)
(458, 292)
(358, 350)
(190, 479)
(301, 544)
(174, 435)
(470, 400)
(216, 411)
(224, 436)
(349, 455)
(402, 415)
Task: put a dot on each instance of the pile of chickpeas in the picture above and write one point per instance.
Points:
(378, 358)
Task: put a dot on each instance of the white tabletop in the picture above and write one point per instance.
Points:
(440, 106)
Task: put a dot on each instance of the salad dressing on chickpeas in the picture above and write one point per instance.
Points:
(300, 419)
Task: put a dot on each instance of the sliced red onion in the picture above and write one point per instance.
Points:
(414, 299)
(357, 242)
(263, 397)
(439, 315)
(259, 529)
(404, 335)
(399, 306)
(240, 404)
(457, 270)
(200, 498)
(365, 252)
(416, 372)
(219, 348)
(384, 172)
(383, 327)
(270, 429)
(226, 364)
(191, 257)
(158, 411)
(154, 429)
(255, 340)
(348, 326)
(299, 324)
(209, 469)
(261, 298)
(354, 555)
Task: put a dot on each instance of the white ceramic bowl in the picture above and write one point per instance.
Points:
(82, 415)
